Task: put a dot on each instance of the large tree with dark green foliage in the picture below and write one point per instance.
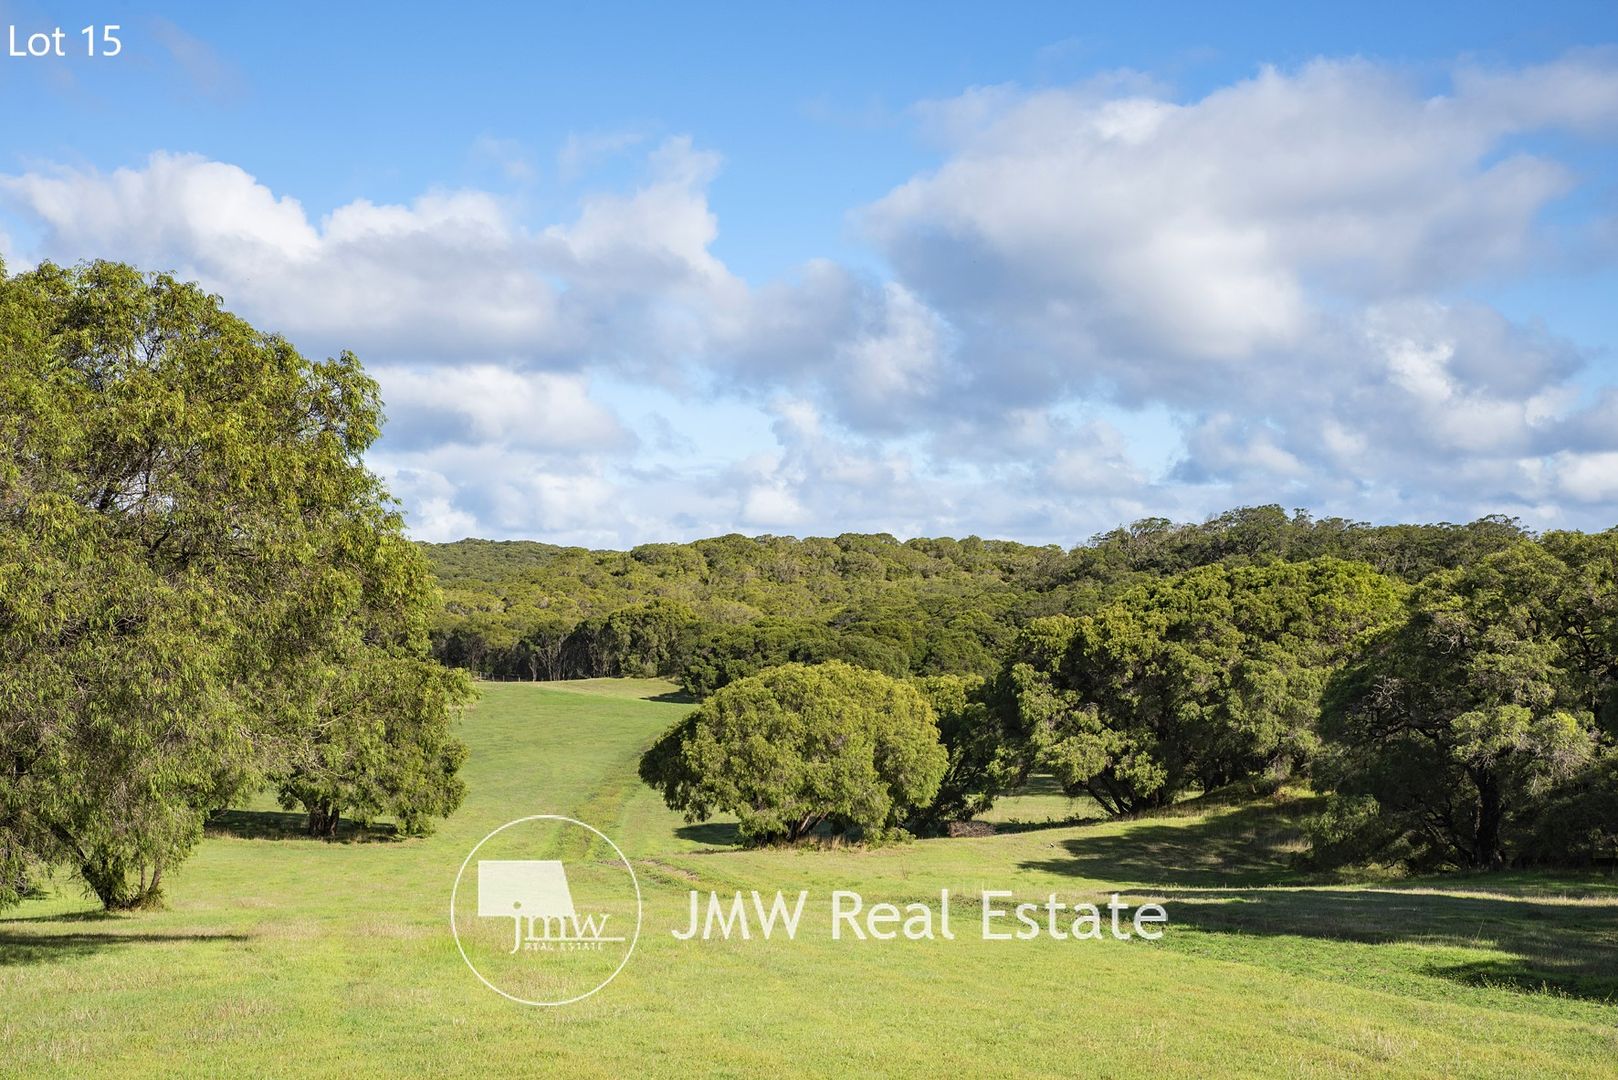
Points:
(1193, 681)
(188, 544)
(794, 746)
(1479, 730)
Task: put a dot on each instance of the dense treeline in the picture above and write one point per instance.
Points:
(1194, 681)
(1452, 686)
(711, 611)
(1470, 719)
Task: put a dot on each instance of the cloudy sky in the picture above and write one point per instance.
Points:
(658, 273)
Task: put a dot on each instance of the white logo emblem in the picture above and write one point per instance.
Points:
(533, 893)
(547, 931)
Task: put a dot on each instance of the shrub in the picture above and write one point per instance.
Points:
(796, 746)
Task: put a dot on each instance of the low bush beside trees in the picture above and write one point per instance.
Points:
(796, 746)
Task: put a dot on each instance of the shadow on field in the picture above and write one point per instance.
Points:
(283, 825)
(1230, 873)
(714, 833)
(1567, 948)
(673, 697)
(1017, 825)
(43, 948)
(1248, 846)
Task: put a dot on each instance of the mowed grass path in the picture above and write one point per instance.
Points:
(281, 956)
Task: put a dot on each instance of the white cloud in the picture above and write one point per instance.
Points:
(1591, 478)
(446, 273)
(1278, 262)
(429, 499)
(484, 403)
(1282, 267)
(580, 152)
(177, 203)
(771, 507)
(1129, 236)
(507, 492)
(1095, 460)
(451, 275)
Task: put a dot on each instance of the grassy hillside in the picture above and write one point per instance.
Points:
(284, 956)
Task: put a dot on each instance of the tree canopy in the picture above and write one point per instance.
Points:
(1196, 680)
(1479, 730)
(189, 547)
(798, 745)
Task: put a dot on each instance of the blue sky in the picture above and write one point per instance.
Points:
(650, 272)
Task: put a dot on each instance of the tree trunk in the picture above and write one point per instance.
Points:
(110, 886)
(323, 818)
(1487, 851)
(1105, 793)
(110, 882)
(799, 829)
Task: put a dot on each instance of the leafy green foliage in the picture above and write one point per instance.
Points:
(984, 758)
(188, 544)
(1473, 724)
(923, 607)
(797, 745)
(1198, 680)
(724, 654)
(1577, 822)
(387, 746)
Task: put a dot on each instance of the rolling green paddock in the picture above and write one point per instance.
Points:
(283, 956)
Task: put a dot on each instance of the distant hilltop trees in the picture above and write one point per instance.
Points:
(711, 611)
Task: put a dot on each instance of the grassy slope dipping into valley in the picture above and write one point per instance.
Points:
(280, 955)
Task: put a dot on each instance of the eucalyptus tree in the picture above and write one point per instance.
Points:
(189, 545)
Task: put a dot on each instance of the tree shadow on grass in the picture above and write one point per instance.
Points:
(672, 697)
(284, 825)
(1017, 825)
(50, 948)
(1567, 948)
(1249, 846)
(713, 833)
(1231, 873)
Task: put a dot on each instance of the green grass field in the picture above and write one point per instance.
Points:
(282, 956)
